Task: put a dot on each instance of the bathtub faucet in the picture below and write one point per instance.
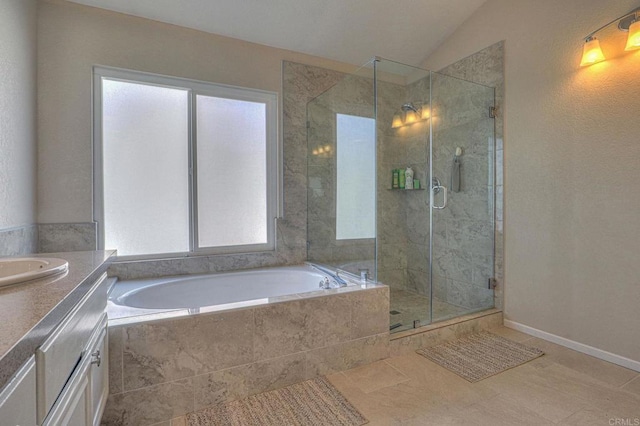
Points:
(325, 283)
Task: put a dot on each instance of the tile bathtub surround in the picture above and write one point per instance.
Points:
(211, 358)
(63, 237)
(19, 241)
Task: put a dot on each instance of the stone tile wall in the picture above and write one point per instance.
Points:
(164, 369)
(61, 237)
(19, 241)
(353, 95)
(463, 231)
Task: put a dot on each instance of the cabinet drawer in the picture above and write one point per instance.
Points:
(59, 355)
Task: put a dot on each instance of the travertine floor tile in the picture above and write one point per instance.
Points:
(603, 371)
(378, 375)
(633, 386)
(563, 387)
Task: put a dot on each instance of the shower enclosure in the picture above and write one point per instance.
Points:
(429, 236)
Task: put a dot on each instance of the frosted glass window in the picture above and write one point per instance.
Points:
(183, 166)
(145, 149)
(355, 177)
(231, 172)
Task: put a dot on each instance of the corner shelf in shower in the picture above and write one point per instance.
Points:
(405, 190)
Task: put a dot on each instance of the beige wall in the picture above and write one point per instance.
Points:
(73, 38)
(572, 168)
(17, 112)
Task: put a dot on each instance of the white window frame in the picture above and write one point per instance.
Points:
(194, 88)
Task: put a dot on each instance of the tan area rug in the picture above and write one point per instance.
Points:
(314, 402)
(478, 356)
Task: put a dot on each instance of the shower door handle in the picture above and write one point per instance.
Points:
(434, 191)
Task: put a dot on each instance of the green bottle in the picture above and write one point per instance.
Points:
(394, 182)
(402, 179)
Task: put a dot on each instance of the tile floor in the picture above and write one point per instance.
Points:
(563, 387)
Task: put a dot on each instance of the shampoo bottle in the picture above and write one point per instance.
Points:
(408, 178)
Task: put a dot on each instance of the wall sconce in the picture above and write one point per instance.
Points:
(412, 112)
(592, 53)
(323, 151)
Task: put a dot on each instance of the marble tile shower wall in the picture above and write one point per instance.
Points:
(414, 143)
(164, 369)
(352, 96)
(462, 232)
(403, 220)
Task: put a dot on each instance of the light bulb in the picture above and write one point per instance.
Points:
(591, 53)
(633, 40)
(410, 117)
(397, 121)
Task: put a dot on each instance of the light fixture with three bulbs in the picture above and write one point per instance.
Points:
(630, 22)
(412, 112)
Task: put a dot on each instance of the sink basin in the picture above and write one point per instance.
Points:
(19, 269)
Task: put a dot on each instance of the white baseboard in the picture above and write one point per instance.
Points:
(576, 346)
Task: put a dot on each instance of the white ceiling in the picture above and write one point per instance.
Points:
(351, 31)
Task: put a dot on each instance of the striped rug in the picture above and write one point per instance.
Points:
(478, 356)
(310, 403)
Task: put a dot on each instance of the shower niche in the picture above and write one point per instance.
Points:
(433, 245)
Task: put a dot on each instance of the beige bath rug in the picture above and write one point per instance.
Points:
(480, 355)
(314, 402)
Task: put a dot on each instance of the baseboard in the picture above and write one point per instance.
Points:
(576, 346)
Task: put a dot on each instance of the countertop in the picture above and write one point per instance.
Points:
(30, 311)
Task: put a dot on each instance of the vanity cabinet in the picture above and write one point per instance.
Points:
(71, 365)
(83, 398)
(18, 398)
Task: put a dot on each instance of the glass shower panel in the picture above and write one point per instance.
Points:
(462, 221)
(341, 175)
(363, 134)
(403, 214)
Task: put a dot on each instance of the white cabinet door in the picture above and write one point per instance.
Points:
(78, 410)
(99, 377)
(18, 399)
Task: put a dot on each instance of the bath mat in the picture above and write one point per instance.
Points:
(310, 403)
(480, 355)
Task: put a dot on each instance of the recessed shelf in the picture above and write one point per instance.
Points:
(406, 190)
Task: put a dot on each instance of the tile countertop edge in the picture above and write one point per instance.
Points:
(24, 348)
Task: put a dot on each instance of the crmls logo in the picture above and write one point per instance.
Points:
(616, 421)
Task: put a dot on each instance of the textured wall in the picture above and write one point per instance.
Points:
(18, 127)
(73, 38)
(572, 211)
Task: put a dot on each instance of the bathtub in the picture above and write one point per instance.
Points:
(230, 335)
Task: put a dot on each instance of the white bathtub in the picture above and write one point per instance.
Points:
(241, 288)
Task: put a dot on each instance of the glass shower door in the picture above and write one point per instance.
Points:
(462, 160)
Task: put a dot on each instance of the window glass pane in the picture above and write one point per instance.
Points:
(145, 160)
(355, 177)
(232, 172)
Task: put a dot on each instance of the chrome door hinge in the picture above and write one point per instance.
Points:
(493, 112)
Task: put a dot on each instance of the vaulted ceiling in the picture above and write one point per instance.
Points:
(351, 31)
